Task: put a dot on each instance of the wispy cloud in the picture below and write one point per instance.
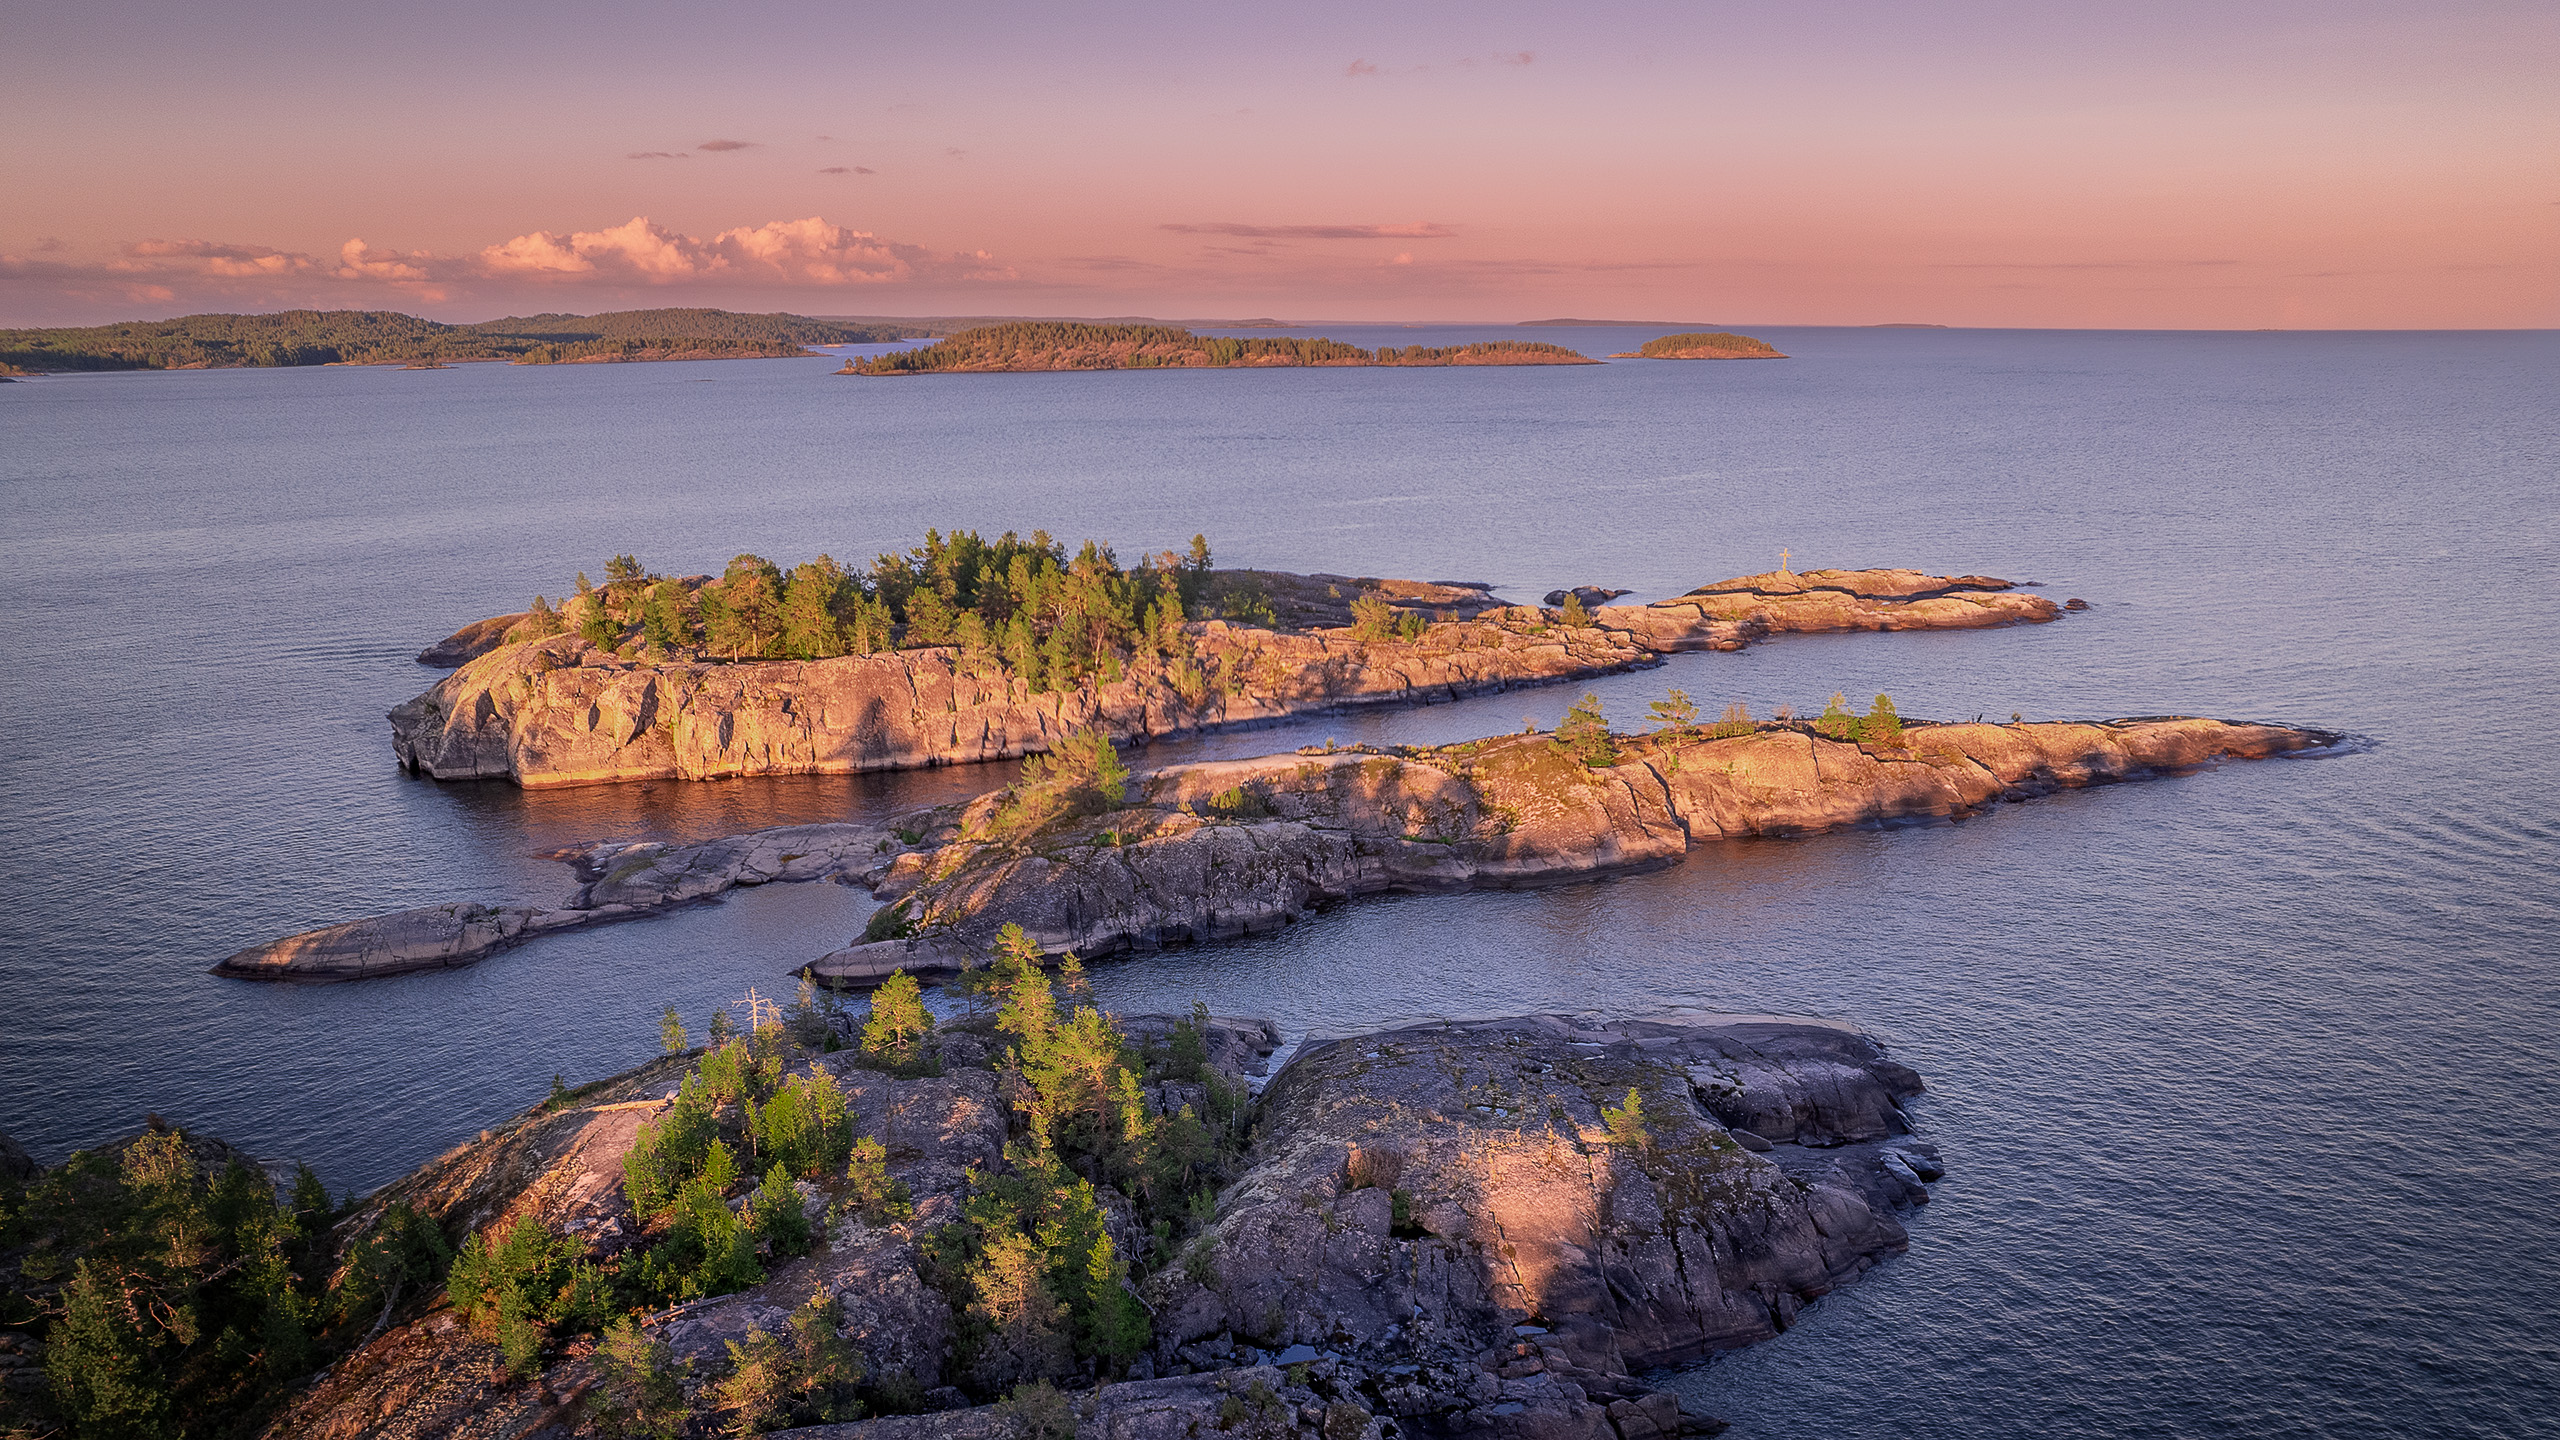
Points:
(1418, 231)
(718, 147)
(1364, 69)
(2077, 264)
(848, 170)
(657, 155)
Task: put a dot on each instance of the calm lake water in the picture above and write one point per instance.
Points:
(2245, 1080)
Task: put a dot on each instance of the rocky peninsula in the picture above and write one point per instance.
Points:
(563, 710)
(1215, 850)
(1480, 1229)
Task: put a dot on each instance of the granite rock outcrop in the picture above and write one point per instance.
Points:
(1440, 1231)
(1210, 851)
(559, 711)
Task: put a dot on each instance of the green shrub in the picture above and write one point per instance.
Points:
(1736, 722)
(870, 1191)
(894, 921)
(1584, 734)
(639, 1392)
(805, 1127)
(1882, 726)
(1675, 714)
(774, 1213)
(806, 1376)
(1573, 612)
(668, 1151)
(1081, 775)
(519, 1284)
(1836, 722)
(1626, 1123)
(1238, 802)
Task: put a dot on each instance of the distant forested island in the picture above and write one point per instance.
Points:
(1721, 345)
(1074, 345)
(387, 337)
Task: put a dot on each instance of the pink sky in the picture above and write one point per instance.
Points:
(2172, 165)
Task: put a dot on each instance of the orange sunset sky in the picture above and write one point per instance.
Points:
(2159, 165)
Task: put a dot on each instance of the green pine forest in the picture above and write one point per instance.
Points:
(1020, 607)
(1076, 345)
(386, 337)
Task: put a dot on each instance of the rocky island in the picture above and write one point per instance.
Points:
(1045, 345)
(1030, 1222)
(632, 681)
(1719, 346)
(1082, 856)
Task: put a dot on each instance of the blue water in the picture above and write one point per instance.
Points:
(2244, 1080)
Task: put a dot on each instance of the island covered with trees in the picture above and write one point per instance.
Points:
(1721, 345)
(967, 649)
(1076, 345)
(387, 337)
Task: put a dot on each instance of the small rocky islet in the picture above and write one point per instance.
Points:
(563, 710)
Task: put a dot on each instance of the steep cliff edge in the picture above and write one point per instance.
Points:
(562, 712)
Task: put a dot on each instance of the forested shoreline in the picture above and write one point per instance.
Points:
(388, 337)
(1023, 606)
(1075, 345)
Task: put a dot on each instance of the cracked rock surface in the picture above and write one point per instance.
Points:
(561, 712)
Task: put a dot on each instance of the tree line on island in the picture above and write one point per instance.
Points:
(1026, 608)
(1076, 345)
(174, 1292)
(379, 337)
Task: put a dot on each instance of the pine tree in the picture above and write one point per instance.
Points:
(666, 618)
(1584, 734)
(1882, 725)
(1574, 614)
(1675, 714)
(809, 628)
(1194, 579)
(898, 1034)
(671, 1034)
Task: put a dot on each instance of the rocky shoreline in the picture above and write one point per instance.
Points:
(560, 711)
(1436, 1232)
(1220, 849)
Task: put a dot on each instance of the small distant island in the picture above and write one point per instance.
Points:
(1721, 345)
(387, 337)
(1075, 345)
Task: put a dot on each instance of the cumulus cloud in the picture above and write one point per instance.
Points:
(788, 252)
(720, 146)
(1417, 231)
(811, 253)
